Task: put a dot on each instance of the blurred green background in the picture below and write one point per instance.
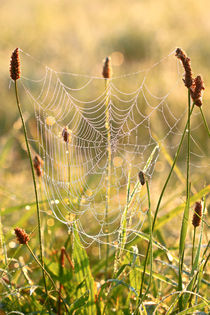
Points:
(75, 36)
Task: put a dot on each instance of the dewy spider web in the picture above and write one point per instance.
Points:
(75, 173)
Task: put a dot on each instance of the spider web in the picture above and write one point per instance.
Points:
(75, 173)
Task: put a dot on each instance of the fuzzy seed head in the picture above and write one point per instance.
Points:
(66, 134)
(107, 69)
(196, 90)
(15, 65)
(22, 236)
(141, 178)
(188, 80)
(38, 163)
(197, 214)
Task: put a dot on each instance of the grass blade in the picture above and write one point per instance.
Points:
(82, 272)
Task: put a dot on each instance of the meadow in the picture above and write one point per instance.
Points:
(104, 161)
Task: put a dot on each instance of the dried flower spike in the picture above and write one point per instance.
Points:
(66, 134)
(107, 69)
(188, 80)
(38, 163)
(197, 214)
(15, 65)
(22, 236)
(196, 90)
(142, 178)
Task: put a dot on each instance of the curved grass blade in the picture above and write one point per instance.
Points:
(82, 272)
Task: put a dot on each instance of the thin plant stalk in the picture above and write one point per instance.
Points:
(187, 207)
(69, 175)
(107, 125)
(141, 298)
(69, 169)
(35, 186)
(60, 284)
(123, 225)
(171, 170)
(207, 247)
(193, 246)
(204, 120)
(47, 274)
(168, 178)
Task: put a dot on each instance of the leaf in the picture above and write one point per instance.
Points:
(120, 282)
(130, 197)
(5, 151)
(80, 302)
(22, 206)
(190, 310)
(157, 276)
(82, 272)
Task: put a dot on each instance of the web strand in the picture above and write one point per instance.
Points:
(74, 173)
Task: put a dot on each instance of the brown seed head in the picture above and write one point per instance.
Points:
(66, 134)
(197, 214)
(196, 90)
(15, 65)
(38, 163)
(188, 80)
(141, 178)
(22, 236)
(107, 69)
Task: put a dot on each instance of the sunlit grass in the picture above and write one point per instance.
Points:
(147, 275)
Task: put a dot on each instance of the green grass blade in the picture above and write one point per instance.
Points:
(5, 151)
(123, 226)
(156, 275)
(82, 272)
(190, 310)
(80, 302)
(9, 210)
(185, 218)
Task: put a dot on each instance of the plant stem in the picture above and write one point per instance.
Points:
(44, 270)
(187, 207)
(123, 226)
(141, 299)
(69, 169)
(48, 275)
(205, 122)
(171, 170)
(35, 186)
(169, 176)
(193, 247)
(107, 125)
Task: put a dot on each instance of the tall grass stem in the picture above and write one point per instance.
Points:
(107, 125)
(34, 182)
(168, 178)
(48, 275)
(141, 299)
(205, 122)
(171, 171)
(193, 245)
(187, 207)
